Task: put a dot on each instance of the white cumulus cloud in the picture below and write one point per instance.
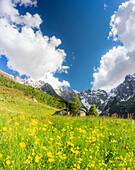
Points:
(119, 61)
(28, 51)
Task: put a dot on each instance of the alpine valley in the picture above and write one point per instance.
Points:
(120, 100)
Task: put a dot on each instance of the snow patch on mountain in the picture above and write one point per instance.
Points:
(100, 98)
(29, 82)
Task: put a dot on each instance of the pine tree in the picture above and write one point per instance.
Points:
(93, 110)
(77, 101)
(74, 110)
(87, 111)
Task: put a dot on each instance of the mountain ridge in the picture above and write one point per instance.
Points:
(107, 102)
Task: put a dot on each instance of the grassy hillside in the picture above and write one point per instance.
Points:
(33, 92)
(15, 101)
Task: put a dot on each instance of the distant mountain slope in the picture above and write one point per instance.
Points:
(119, 100)
(123, 100)
(68, 95)
(47, 88)
(34, 92)
(126, 89)
(29, 82)
(87, 98)
(6, 75)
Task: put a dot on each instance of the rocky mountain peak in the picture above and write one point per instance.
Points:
(104, 101)
(126, 89)
(47, 88)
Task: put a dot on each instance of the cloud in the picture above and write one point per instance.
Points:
(94, 68)
(26, 2)
(119, 61)
(28, 51)
(55, 81)
(105, 6)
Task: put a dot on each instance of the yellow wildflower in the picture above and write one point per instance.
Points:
(8, 162)
(78, 166)
(59, 153)
(49, 122)
(33, 153)
(44, 148)
(22, 145)
(49, 154)
(4, 129)
(34, 122)
(37, 158)
(63, 130)
(44, 129)
(36, 142)
(51, 139)
(50, 160)
(29, 157)
(16, 124)
(27, 161)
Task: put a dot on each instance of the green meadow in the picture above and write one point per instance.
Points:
(15, 101)
(32, 138)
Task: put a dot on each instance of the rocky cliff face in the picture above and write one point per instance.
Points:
(47, 88)
(106, 102)
(123, 97)
(68, 95)
(87, 98)
(97, 97)
(126, 89)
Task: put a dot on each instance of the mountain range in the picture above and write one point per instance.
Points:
(119, 100)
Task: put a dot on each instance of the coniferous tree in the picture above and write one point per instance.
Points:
(74, 109)
(93, 110)
(77, 101)
(87, 111)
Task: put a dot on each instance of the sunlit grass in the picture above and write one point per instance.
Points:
(55, 142)
(15, 100)
(31, 138)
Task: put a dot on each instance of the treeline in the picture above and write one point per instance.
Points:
(75, 108)
(33, 92)
(122, 109)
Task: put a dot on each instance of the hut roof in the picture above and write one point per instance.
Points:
(59, 110)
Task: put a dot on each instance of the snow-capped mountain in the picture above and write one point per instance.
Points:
(87, 98)
(123, 99)
(105, 102)
(97, 97)
(68, 95)
(42, 85)
(29, 82)
(125, 90)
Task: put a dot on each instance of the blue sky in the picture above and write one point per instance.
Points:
(83, 27)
